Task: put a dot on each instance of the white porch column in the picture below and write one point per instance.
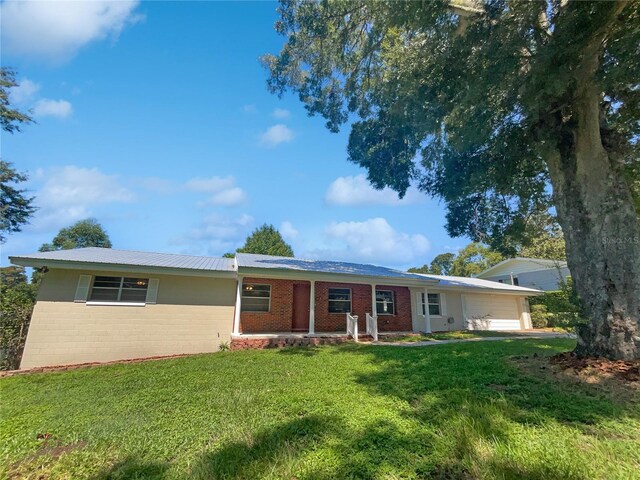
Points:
(312, 308)
(373, 300)
(236, 316)
(427, 317)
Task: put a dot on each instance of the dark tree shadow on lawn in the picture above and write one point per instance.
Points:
(250, 459)
(133, 468)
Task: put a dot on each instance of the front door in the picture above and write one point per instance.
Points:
(301, 299)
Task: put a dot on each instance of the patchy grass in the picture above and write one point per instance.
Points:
(453, 335)
(348, 411)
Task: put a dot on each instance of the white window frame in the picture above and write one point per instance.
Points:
(393, 302)
(440, 308)
(350, 310)
(242, 304)
(116, 302)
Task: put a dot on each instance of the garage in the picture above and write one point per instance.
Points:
(491, 312)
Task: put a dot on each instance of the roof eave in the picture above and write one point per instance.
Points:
(115, 267)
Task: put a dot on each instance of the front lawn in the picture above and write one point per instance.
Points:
(464, 410)
(453, 335)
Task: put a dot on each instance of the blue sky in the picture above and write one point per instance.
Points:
(155, 119)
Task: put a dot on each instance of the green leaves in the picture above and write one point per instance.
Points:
(266, 240)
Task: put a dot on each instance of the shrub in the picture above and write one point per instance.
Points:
(560, 308)
(539, 316)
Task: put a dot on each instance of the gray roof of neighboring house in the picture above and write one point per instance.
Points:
(466, 282)
(250, 260)
(130, 257)
(537, 264)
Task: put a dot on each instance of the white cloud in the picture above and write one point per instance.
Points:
(223, 190)
(228, 198)
(288, 231)
(250, 108)
(210, 185)
(55, 31)
(357, 191)
(69, 194)
(24, 92)
(275, 135)
(281, 113)
(52, 108)
(217, 234)
(375, 241)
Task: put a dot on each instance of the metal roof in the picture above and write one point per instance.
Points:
(541, 263)
(250, 260)
(477, 283)
(130, 257)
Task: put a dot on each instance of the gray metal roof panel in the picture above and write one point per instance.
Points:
(250, 260)
(135, 258)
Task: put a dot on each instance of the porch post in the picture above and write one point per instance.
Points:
(236, 316)
(312, 308)
(373, 300)
(427, 316)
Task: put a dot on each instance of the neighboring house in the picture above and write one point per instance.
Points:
(535, 273)
(98, 304)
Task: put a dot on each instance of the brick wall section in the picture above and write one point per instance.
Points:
(337, 322)
(401, 320)
(280, 316)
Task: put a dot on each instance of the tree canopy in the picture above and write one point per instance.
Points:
(440, 265)
(84, 233)
(16, 207)
(266, 240)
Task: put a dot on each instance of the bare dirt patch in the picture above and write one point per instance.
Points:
(616, 379)
(598, 368)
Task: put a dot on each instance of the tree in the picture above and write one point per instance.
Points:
(548, 244)
(266, 240)
(17, 299)
(440, 265)
(10, 117)
(502, 103)
(15, 207)
(473, 259)
(82, 234)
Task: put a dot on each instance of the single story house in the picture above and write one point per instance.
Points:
(98, 304)
(538, 273)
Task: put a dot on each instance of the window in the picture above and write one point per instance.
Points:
(119, 289)
(515, 281)
(434, 304)
(255, 297)
(384, 302)
(339, 300)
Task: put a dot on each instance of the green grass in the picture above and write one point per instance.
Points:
(350, 411)
(453, 335)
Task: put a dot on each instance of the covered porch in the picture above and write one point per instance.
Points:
(317, 309)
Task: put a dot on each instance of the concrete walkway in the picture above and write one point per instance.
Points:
(518, 336)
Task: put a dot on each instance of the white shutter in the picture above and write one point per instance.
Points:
(82, 290)
(443, 304)
(152, 291)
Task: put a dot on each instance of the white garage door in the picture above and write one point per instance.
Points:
(491, 312)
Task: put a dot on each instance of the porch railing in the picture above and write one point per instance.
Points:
(372, 326)
(352, 326)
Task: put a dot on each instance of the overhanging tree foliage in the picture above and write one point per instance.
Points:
(15, 206)
(486, 105)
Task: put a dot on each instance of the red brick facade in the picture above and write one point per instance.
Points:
(280, 316)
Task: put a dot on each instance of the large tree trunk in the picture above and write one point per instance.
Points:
(600, 223)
